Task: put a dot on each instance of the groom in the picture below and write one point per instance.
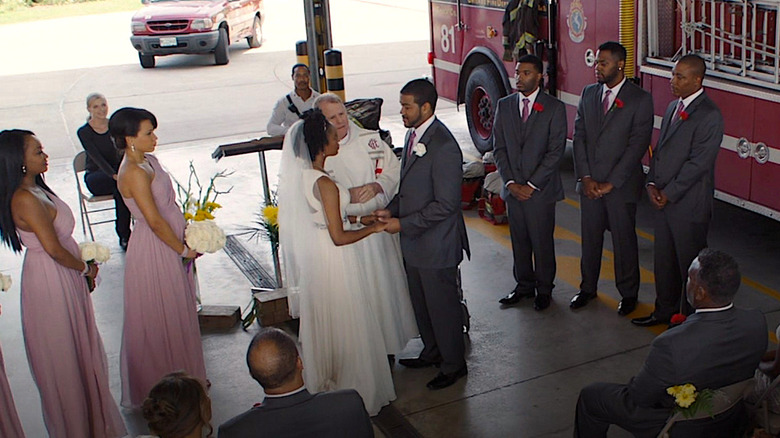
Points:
(426, 211)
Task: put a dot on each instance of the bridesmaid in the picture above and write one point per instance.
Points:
(10, 427)
(63, 345)
(161, 332)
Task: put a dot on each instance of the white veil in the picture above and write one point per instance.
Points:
(296, 227)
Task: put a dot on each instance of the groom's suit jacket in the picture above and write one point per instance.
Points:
(609, 147)
(534, 153)
(433, 233)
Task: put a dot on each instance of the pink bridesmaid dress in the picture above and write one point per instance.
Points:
(10, 427)
(63, 344)
(161, 332)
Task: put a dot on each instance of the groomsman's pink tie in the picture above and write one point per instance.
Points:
(410, 144)
(605, 102)
(679, 111)
(525, 109)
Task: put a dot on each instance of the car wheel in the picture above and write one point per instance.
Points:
(221, 52)
(483, 89)
(256, 39)
(147, 61)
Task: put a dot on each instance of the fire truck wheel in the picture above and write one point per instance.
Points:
(483, 89)
(221, 56)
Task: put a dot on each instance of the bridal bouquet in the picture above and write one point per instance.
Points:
(5, 282)
(93, 253)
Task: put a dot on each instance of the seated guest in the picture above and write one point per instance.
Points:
(768, 369)
(289, 410)
(103, 160)
(178, 407)
(717, 346)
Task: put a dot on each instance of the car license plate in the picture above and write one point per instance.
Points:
(168, 42)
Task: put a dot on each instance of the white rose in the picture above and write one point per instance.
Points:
(103, 253)
(419, 149)
(5, 282)
(88, 251)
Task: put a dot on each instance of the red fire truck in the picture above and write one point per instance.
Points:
(739, 40)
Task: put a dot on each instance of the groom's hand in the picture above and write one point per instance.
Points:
(393, 225)
(382, 213)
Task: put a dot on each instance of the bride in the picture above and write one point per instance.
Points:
(340, 335)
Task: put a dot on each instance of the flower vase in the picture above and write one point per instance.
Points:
(277, 265)
(198, 302)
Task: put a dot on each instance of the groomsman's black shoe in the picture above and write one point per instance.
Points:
(514, 297)
(649, 321)
(542, 301)
(581, 299)
(444, 380)
(418, 363)
(626, 306)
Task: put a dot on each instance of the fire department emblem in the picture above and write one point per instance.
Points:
(576, 21)
(373, 144)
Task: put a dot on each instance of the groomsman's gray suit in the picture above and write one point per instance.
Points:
(609, 148)
(530, 153)
(433, 238)
(683, 167)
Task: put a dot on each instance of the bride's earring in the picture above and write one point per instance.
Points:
(132, 147)
(24, 168)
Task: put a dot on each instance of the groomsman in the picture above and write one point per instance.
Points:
(612, 132)
(529, 137)
(680, 185)
(427, 213)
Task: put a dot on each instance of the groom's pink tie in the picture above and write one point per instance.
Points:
(410, 144)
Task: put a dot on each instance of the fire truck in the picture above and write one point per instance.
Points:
(738, 39)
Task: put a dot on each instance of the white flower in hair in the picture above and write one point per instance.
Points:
(419, 149)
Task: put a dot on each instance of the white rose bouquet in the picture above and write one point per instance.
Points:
(5, 282)
(93, 253)
(204, 236)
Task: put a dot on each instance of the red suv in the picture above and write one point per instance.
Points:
(167, 27)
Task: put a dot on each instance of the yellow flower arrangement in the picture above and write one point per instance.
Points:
(202, 207)
(688, 400)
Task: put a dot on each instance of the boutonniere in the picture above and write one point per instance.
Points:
(683, 115)
(618, 103)
(419, 149)
(538, 107)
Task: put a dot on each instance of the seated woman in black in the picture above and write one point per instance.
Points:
(103, 162)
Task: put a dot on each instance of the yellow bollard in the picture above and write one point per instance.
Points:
(334, 72)
(301, 53)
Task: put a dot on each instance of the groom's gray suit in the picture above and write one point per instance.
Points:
(433, 238)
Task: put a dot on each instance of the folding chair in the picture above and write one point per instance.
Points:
(765, 418)
(728, 398)
(85, 199)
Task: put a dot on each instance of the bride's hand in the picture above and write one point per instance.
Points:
(378, 227)
(367, 220)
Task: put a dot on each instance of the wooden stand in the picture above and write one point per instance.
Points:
(219, 317)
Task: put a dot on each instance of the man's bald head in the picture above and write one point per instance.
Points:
(273, 361)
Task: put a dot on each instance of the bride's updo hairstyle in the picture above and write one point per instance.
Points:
(315, 131)
(126, 122)
(177, 406)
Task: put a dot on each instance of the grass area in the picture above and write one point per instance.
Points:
(17, 13)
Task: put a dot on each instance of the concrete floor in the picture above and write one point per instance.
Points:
(525, 367)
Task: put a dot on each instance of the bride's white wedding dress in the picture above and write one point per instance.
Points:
(340, 335)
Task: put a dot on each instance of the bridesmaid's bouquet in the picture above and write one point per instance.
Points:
(5, 282)
(93, 253)
(204, 236)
